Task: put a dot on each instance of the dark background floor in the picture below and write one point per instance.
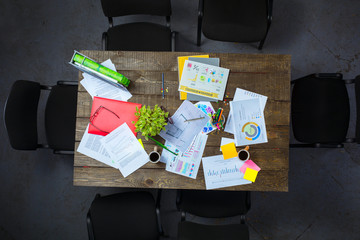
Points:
(38, 199)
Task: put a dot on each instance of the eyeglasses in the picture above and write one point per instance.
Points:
(96, 113)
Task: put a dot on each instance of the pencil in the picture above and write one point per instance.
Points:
(189, 120)
(162, 145)
(163, 95)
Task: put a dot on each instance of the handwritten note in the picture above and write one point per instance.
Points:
(220, 173)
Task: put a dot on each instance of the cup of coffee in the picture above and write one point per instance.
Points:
(154, 156)
(244, 154)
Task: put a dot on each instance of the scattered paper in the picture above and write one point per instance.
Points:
(186, 164)
(125, 150)
(248, 121)
(204, 80)
(208, 109)
(250, 174)
(100, 88)
(249, 164)
(226, 141)
(181, 133)
(241, 94)
(229, 150)
(91, 146)
(220, 173)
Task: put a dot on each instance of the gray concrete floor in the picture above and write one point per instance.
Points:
(38, 200)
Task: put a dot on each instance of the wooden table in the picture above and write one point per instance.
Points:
(264, 74)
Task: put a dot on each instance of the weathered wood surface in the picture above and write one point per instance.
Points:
(264, 74)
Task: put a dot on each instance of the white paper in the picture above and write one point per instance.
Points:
(220, 173)
(208, 109)
(241, 94)
(225, 141)
(248, 122)
(100, 88)
(204, 80)
(181, 133)
(125, 149)
(91, 146)
(186, 164)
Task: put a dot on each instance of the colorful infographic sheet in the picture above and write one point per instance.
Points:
(248, 122)
(204, 80)
(221, 173)
(208, 109)
(187, 163)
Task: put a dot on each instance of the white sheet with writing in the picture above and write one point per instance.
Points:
(220, 173)
(100, 88)
(182, 133)
(91, 146)
(125, 150)
(241, 94)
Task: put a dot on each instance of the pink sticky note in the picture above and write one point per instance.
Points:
(249, 164)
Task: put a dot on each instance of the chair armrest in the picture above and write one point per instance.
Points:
(89, 226)
(64, 152)
(329, 75)
(104, 41)
(173, 36)
(316, 145)
(69, 83)
(157, 209)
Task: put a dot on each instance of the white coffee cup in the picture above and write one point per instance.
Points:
(154, 156)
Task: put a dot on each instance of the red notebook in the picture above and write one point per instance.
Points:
(108, 114)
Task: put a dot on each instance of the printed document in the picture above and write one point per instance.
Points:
(248, 122)
(186, 164)
(241, 94)
(91, 146)
(204, 80)
(208, 109)
(182, 132)
(100, 88)
(125, 149)
(220, 173)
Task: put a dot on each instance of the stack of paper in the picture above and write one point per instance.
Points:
(246, 118)
(119, 149)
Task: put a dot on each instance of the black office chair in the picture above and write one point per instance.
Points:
(21, 114)
(320, 110)
(241, 21)
(125, 216)
(138, 36)
(213, 204)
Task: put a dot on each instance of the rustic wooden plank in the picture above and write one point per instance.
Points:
(276, 112)
(167, 61)
(267, 159)
(158, 178)
(149, 82)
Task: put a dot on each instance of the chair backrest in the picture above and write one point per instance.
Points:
(20, 115)
(214, 204)
(125, 216)
(113, 8)
(357, 92)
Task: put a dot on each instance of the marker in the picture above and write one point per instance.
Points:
(162, 145)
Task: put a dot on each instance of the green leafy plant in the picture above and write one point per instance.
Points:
(150, 121)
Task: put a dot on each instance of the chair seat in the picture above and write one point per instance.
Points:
(139, 37)
(222, 203)
(234, 20)
(190, 231)
(61, 105)
(320, 110)
(125, 216)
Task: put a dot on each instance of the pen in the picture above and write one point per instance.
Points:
(163, 95)
(219, 119)
(162, 145)
(189, 120)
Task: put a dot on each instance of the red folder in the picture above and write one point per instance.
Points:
(108, 114)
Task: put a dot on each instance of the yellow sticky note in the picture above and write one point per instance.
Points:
(229, 150)
(250, 174)
(141, 143)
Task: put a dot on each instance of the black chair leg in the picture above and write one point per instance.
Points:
(200, 16)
